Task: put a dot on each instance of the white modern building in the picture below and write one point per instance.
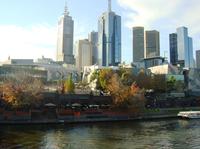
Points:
(83, 54)
(65, 39)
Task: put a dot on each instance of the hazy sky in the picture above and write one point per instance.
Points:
(28, 28)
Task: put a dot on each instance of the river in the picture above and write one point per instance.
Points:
(171, 133)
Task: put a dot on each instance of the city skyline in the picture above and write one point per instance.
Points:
(37, 30)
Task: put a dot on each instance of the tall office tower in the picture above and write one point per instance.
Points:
(65, 39)
(109, 38)
(138, 43)
(93, 38)
(190, 52)
(185, 47)
(198, 58)
(152, 42)
(84, 54)
(173, 48)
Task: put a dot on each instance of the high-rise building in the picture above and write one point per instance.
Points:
(173, 48)
(152, 43)
(65, 39)
(190, 53)
(83, 54)
(182, 44)
(93, 38)
(109, 38)
(138, 44)
(198, 58)
(185, 47)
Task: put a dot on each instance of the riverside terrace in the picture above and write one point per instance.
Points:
(61, 100)
(56, 107)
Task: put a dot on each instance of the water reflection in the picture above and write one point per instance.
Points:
(122, 135)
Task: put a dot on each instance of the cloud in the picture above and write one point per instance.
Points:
(146, 12)
(27, 42)
(33, 41)
(162, 13)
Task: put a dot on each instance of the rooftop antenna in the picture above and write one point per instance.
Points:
(109, 6)
(66, 12)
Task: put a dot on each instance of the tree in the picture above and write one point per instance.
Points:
(69, 85)
(104, 76)
(22, 90)
(171, 83)
(143, 80)
(159, 83)
(125, 96)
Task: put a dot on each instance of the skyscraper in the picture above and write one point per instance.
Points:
(138, 43)
(198, 58)
(84, 54)
(173, 48)
(152, 42)
(93, 38)
(185, 47)
(65, 39)
(109, 38)
(190, 53)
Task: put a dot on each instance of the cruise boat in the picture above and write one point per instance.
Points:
(189, 114)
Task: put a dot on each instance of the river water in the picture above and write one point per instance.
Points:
(171, 133)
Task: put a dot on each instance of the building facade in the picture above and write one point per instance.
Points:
(198, 58)
(65, 39)
(84, 54)
(173, 48)
(185, 47)
(152, 43)
(93, 39)
(138, 44)
(190, 53)
(109, 38)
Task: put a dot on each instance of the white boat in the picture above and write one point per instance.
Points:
(189, 114)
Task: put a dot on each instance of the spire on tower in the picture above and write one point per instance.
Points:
(109, 6)
(66, 12)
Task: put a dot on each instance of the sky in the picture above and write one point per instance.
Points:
(28, 28)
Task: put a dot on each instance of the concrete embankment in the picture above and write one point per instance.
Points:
(149, 114)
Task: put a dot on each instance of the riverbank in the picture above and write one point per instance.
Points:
(148, 114)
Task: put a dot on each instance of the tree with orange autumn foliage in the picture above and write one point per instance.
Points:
(22, 90)
(126, 97)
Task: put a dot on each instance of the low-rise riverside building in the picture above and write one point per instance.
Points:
(45, 68)
(150, 62)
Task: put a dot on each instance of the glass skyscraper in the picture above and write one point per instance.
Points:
(185, 47)
(93, 38)
(173, 48)
(109, 38)
(65, 39)
(198, 58)
(138, 44)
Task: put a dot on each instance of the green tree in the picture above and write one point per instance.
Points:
(179, 86)
(171, 84)
(69, 85)
(104, 76)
